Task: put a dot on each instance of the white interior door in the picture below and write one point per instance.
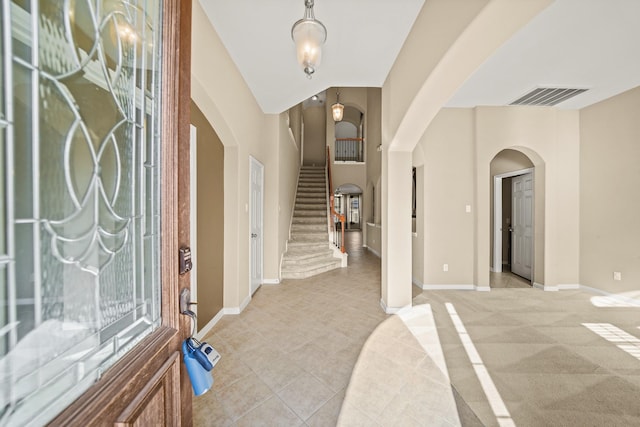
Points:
(522, 224)
(255, 211)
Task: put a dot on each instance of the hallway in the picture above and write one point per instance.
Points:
(287, 358)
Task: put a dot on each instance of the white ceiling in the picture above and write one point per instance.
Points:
(592, 44)
(363, 40)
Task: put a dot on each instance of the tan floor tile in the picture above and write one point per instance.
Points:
(351, 416)
(272, 412)
(227, 371)
(208, 411)
(328, 414)
(243, 395)
(277, 372)
(305, 395)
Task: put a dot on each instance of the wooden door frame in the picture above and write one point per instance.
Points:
(115, 398)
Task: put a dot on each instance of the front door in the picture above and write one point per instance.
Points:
(256, 223)
(522, 224)
(94, 137)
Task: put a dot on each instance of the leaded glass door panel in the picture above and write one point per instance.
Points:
(81, 187)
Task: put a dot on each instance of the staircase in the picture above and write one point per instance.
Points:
(308, 250)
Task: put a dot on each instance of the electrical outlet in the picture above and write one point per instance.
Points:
(445, 267)
(617, 275)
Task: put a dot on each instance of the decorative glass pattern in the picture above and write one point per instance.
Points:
(79, 187)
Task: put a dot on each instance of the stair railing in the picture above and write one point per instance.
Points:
(349, 150)
(338, 233)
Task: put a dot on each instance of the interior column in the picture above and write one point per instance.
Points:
(396, 230)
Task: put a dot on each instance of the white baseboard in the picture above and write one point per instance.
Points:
(270, 281)
(245, 303)
(482, 288)
(556, 288)
(392, 310)
(373, 251)
(449, 287)
(238, 310)
(538, 285)
(204, 331)
(417, 283)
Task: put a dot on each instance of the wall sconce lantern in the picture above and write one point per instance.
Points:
(309, 35)
(337, 109)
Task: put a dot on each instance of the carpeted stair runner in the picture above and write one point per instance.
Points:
(308, 251)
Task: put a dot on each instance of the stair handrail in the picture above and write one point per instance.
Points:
(331, 205)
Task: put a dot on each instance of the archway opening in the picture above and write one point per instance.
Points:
(349, 134)
(348, 202)
(517, 219)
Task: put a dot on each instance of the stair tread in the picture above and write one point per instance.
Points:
(308, 251)
(305, 268)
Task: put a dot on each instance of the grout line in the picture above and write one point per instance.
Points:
(493, 395)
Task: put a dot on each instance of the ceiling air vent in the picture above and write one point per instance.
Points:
(547, 96)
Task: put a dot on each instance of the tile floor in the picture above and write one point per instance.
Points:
(401, 378)
(548, 366)
(506, 279)
(287, 358)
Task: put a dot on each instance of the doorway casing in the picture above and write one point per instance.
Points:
(497, 218)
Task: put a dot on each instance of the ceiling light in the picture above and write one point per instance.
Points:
(337, 109)
(309, 35)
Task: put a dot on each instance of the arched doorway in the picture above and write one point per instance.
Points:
(348, 202)
(349, 136)
(515, 199)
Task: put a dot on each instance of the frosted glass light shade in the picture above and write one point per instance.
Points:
(309, 35)
(337, 110)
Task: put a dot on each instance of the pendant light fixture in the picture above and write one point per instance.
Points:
(337, 109)
(309, 35)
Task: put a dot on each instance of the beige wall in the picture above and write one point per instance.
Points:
(448, 235)
(550, 138)
(315, 147)
(295, 123)
(210, 218)
(288, 168)
(448, 42)
(459, 147)
(609, 196)
(438, 25)
(373, 139)
(227, 103)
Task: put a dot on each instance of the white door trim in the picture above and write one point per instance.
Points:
(193, 215)
(497, 215)
(254, 164)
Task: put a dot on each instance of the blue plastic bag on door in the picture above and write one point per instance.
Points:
(201, 378)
